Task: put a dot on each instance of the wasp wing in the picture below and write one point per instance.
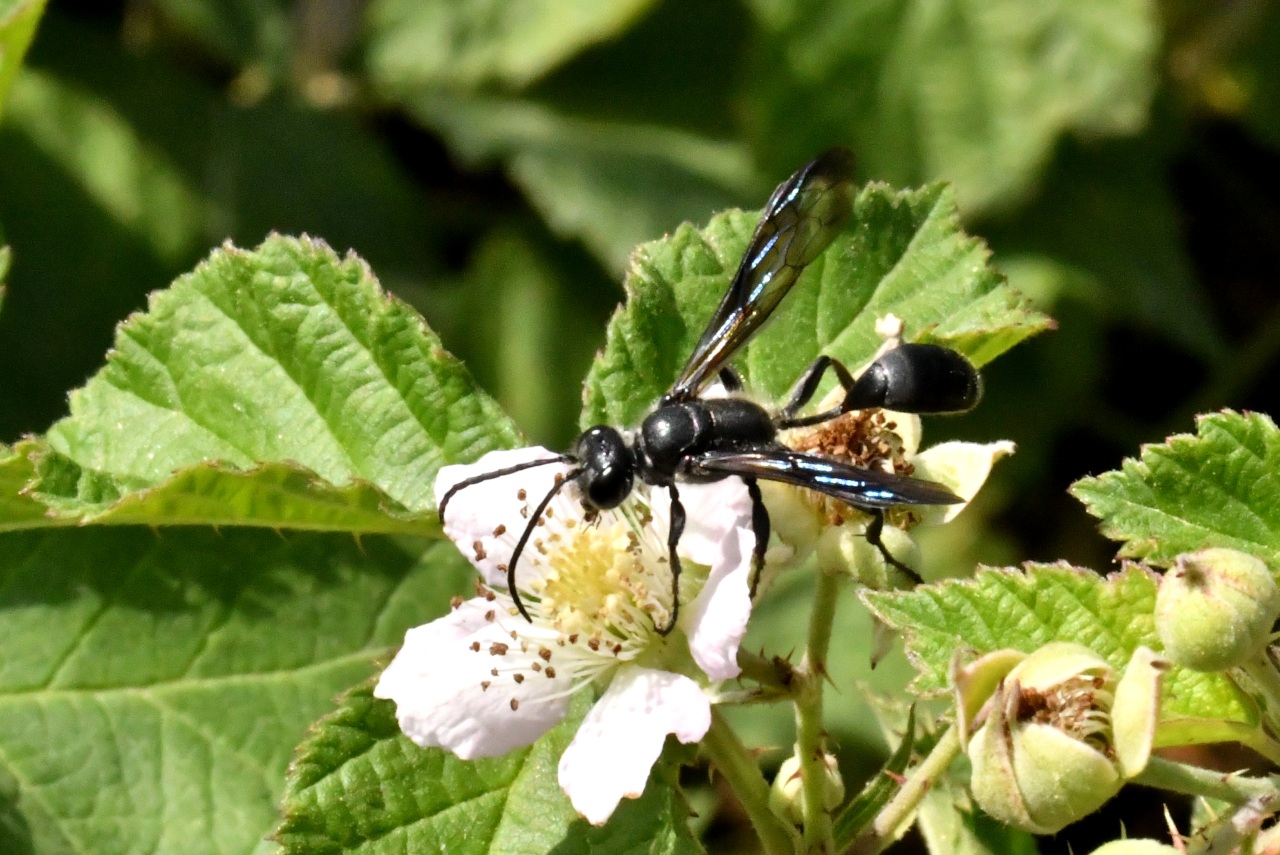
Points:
(799, 221)
(868, 489)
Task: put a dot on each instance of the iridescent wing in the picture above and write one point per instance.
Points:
(799, 221)
(868, 489)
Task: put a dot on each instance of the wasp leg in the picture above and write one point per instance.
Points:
(759, 528)
(874, 528)
(524, 538)
(731, 380)
(673, 540)
(805, 388)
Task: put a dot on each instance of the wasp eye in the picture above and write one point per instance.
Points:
(608, 487)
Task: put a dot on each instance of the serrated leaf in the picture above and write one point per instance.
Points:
(18, 19)
(154, 685)
(1217, 488)
(1025, 609)
(611, 183)
(974, 93)
(282, 354)
(465, 43)
(359, 786)
(902, 253)
(18, 510)
(274, 494)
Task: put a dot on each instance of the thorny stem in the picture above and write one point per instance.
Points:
(1194, 781)
(809, 749)
(775, 677)
(742, 773)
(899, 809)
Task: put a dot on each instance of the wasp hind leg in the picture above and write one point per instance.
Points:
(673, 540)
(874, 530)
(760, 529)
(805, 388)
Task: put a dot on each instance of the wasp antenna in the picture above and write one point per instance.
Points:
(497, 473)
(528, 531)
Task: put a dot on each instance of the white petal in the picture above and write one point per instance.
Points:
(712, 511)
(909, 429)
(438, 682)
(960, 466)
(477, 511)
(622, 736)
(717, 620)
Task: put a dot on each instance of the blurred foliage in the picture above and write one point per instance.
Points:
(496, 162)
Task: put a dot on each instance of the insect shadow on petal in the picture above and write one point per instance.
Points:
(689, 438)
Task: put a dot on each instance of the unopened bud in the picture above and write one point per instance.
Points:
(1136, 846)
(1215, 609)
(786, 798)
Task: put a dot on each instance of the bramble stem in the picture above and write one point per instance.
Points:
(742, 773)
(899, 809)
(775, 677)
(1194, 781)
(811, 675)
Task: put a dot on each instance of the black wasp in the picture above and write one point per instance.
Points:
(693, 439)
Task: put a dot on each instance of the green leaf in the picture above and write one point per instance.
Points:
(153, 686)
(5, 258)
(18, 19)
(241, 32)
(359, 786)
(611, 183)
(1247, 85)
(275, 494)
(140, 185)
(1026, 609)
(949, 822)
(901, 253)
(466, 43)
(527, 317)
(277, 165)
(18, 509)
(284, 353)
(974, 93)
(1106, 211)
(1217, 488)
(861, 811)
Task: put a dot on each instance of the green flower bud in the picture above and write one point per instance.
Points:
(1046, 753)
(1136, 846)
(1215, 609)
(786, 797)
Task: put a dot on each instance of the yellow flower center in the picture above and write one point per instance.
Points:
(601, 585)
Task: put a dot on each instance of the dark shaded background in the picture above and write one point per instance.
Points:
(502, 202)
